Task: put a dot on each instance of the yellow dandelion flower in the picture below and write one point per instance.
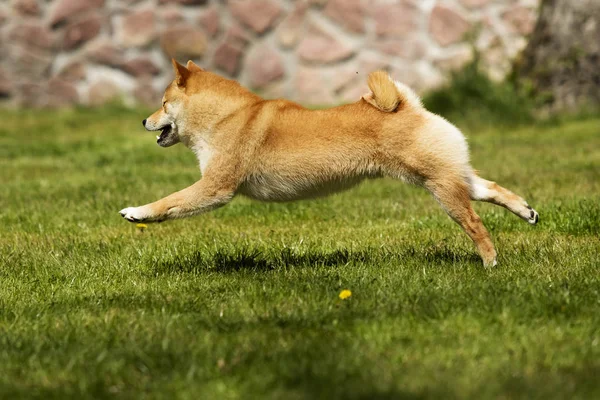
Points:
(344, 294)
(141, 227)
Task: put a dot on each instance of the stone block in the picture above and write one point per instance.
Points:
(102, 92)
(227, 58)
(138, 28)
(183, 42)
(290, 29)
(105, 53)
(396, 19)
(80, 32)
(209, 21)
(31, 35)
(27, 7)
(140, 66)
(259, 15)
(348, 13)
(63, 10)
(319, 46)
(265, 65)
(61, 93)
(447, 26)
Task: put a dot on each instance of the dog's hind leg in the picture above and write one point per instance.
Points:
(453, 196)
(491, 192)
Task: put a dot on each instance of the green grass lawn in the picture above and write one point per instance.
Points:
(243, 302)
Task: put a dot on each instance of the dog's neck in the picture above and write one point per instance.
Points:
(209, 115)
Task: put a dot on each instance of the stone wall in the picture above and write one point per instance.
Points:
(62, 52)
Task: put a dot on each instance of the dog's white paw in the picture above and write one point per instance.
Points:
(133, 214)
(534, 217)
(490, 264)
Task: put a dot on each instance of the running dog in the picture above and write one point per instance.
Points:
(277, 150)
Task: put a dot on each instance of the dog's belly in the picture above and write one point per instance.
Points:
(282, 188)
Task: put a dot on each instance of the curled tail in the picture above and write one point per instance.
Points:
(387, 94)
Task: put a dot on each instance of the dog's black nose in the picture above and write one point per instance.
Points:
(144, 123)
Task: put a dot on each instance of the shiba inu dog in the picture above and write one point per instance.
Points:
(276, 150)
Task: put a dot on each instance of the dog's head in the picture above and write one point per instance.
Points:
(194, 103)
(171, 118)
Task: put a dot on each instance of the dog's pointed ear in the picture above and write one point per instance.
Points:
(181, 73)
(192, 67)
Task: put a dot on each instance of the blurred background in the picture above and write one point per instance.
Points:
(89, 52)
(65, 52)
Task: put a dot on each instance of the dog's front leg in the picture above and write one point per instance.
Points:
(204, 195)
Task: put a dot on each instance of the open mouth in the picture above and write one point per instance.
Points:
(165, 130)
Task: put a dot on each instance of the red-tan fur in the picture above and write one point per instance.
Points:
(276, 150)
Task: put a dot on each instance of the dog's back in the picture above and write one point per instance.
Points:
(306, 153)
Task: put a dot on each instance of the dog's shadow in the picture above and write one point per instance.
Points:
(248, 259)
